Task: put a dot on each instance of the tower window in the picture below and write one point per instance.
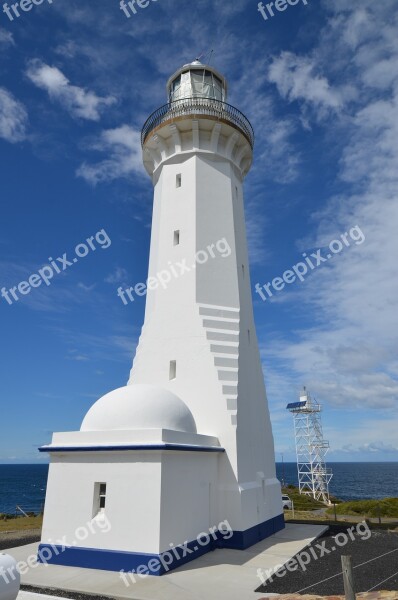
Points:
(173, 369)
(243, 271)
(102, 495)
(177, 237)
(178, 180)
(99, 498)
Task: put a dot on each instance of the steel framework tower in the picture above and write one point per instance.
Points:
(311, 448)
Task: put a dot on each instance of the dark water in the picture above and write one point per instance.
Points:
(25, 485)
(354, 481)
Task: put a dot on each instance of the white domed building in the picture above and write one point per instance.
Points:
(187, 445)
(139, 407)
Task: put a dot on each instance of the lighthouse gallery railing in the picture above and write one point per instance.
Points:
(198, 106)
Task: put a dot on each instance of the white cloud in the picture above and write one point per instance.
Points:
(118, 275)
(6, 37)
(296, 79)
(79, 358)
(78, 101)
(347, 356)
(86, 288)
(13, 118)
(123, 145)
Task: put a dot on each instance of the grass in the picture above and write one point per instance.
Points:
(301, 501)
(21, 523)
(304, 515)
(387, 507)
(304, 504)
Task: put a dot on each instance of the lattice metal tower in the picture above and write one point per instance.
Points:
(311, 448)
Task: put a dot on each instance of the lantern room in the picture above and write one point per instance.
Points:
(196, 80)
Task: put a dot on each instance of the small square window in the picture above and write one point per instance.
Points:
(173, 369)
(176, 237)
(178, 180)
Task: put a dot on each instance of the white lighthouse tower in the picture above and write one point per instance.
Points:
(185, 450)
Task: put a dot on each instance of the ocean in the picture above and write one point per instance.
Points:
(25, 485)
(353, 481)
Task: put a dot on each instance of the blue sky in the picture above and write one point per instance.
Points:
(319, 83)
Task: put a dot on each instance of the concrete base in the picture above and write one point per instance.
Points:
(222, 574)
(156, 564)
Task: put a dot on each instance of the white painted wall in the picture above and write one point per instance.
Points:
(153, 499)
(204, 319)
(132, 501)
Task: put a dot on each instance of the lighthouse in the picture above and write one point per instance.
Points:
(181, 459)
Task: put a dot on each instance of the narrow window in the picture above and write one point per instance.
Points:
(173, 369)
(102, 495)
(248, 335)
(236, 190)
(178, 180)
(177, 237)
(243, 271)
(99, 498)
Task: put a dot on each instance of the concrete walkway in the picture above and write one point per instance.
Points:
(222, 574)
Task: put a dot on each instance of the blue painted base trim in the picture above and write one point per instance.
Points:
(132, 564)
(244, 539)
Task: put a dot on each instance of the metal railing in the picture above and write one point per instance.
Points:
(198, 106)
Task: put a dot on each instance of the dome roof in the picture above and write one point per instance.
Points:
(139, 407)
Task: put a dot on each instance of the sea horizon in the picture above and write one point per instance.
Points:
(24, 484)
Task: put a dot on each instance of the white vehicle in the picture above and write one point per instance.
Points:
(287, 503)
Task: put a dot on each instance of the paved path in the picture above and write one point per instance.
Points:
(219, 575)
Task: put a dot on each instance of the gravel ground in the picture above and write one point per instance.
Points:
(322, 576)
(62, 594)
(18, 538)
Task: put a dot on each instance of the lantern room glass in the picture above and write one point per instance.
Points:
(197, 83)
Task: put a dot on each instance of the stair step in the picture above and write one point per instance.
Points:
(228, 375)
(219, 361)
(217, 336)
(216, 349)
(222, 325)
(230, 390)
(219, 312)
(218, 307)
(232, 404)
